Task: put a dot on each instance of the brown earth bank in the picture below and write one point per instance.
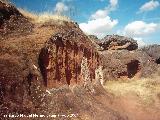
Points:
(50, 67)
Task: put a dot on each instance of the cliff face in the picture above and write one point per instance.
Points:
(66, 59)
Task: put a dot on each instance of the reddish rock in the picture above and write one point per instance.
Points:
(123, 64)
(116, 42)
(62, 59)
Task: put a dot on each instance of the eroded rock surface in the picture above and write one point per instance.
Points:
(125, 64)
(66, 59)
(153, 51)
(116, 42)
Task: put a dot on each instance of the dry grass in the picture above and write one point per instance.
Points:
(4, 1)
(146, 89)
(43, 17)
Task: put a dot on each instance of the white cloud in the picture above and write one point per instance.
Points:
(100, 14)
(98, 27)
(151, 5)
(61, 8)
(139, 29)
(100, 23)
(112, 2)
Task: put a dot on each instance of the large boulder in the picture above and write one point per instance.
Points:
(116, 42)
(124, 64)
(68, 58)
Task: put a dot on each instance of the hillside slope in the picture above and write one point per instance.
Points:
(48, 68)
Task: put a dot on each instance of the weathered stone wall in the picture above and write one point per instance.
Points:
(62, 58)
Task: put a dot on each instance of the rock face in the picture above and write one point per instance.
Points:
(12, 21)
(66, 59)
(116, 42)
(94, 38)
(95, 41)
(153, 51)
(125, 64)
(6, 11)
(121, 58)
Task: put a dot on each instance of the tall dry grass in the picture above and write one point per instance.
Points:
(147, 89)
(43, 17)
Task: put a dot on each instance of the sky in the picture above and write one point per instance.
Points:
(139, 19)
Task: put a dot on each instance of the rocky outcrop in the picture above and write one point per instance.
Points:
(68, 58)
(94, 38)
(122, 60)
(116, 42)
(12, 21)
(153, 51)
(95, 41)
(125, 64)
(7, 11)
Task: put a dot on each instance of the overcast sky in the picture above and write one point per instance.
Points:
(139, 19)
